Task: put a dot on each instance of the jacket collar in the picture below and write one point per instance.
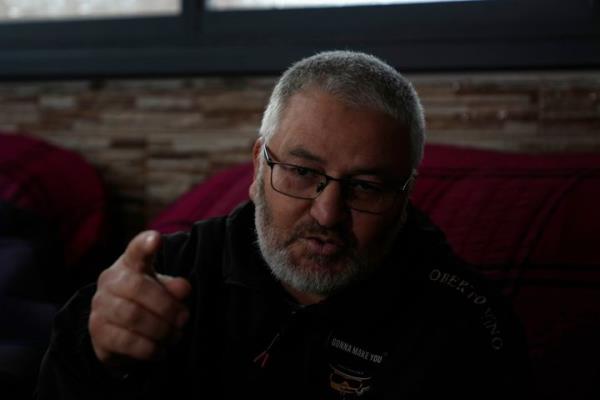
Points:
(243, 264)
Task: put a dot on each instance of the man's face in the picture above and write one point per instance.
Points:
(319, 246)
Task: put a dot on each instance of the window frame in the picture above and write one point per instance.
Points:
(541, 34)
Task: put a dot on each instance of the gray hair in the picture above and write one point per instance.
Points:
(358, 79)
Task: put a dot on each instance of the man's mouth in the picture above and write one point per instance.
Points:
(323, 246)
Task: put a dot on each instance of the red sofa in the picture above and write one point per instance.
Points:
(52, 223)
(530, 222)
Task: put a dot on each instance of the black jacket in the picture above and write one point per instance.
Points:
(423, 324)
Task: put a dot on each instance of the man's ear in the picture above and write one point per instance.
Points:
(256, 159)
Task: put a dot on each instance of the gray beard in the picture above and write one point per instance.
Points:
(274, 246)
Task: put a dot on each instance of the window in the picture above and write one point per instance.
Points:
(30, 10)
(191, 37)
(266, 4)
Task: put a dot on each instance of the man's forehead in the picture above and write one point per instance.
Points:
(339, 162)
(332, 150)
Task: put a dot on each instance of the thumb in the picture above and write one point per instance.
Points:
(140, 253)
(179, 288)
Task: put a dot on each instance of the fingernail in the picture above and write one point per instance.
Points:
(150, 238)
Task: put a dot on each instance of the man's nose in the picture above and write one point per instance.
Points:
(329, 208)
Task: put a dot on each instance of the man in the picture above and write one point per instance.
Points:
(328, 285)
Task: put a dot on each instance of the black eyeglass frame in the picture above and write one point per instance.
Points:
(327, 179)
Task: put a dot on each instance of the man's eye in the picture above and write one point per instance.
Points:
(303, 172)
(366, 187)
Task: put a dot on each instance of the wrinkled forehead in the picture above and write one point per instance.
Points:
(342, 134)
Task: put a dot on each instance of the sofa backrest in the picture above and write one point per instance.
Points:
(56, 184)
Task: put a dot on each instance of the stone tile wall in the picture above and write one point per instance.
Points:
(153, 139)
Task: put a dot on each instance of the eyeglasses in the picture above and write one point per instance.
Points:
(307, 183)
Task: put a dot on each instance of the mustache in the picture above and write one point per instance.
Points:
(313, 229)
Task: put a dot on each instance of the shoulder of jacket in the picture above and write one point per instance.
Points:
(453, 281)
(467, 296)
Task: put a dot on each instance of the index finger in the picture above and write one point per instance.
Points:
(139, 255)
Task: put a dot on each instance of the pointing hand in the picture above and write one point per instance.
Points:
(135, 312)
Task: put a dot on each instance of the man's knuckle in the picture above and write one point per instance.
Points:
(97, 300)
(133, 314)
(93, 322)
(125, 340)
(104, 276)
(98, 328)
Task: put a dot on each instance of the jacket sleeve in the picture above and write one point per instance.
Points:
(70, 368)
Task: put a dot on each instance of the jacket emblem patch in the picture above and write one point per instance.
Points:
(352, 367)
